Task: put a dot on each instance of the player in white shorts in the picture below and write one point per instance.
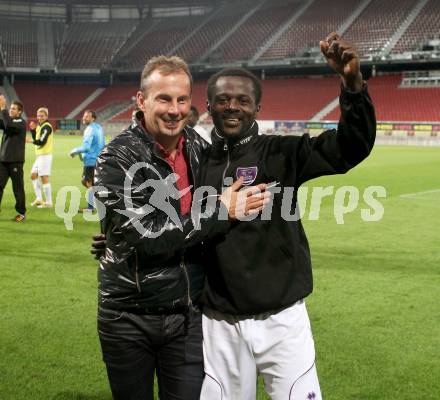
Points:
(258, 274)
(42, 165)
(42, 138)
(277, 346)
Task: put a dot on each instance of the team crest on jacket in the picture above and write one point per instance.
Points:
(248, 173)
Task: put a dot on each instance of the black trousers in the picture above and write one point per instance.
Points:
(15, 172)
(135, 346)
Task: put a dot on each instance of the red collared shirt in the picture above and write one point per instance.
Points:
(179, 166)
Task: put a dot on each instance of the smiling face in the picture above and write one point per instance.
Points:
(233, 107)
(165, 102)
(41, 117)
(87, 118)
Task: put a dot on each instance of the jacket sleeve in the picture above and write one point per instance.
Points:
(132, 222)
(11, 126)
(337, 151)
(46, 131)
(87, 142)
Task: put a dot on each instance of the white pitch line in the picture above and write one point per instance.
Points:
(411, 195)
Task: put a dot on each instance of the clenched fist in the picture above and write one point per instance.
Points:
(344, 59)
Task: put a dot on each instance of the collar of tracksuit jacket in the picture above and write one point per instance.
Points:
(221, 145)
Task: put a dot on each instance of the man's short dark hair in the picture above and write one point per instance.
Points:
(19, 105)
(92, 113)
(241, 72)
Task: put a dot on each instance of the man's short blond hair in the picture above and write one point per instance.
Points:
(165, 65)
(43, 110)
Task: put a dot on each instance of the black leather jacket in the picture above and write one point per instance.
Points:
(150, 263)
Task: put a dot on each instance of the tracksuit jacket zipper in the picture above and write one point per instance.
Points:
(225, 148)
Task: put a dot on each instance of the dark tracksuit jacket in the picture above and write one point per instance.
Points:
(12, 155)
(14, 138)
(262, 266)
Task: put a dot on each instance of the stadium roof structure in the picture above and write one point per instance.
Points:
(161, 3)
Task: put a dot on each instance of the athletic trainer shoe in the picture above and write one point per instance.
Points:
(19, 218)
(37, 202)
(45, 205)
(86, 210)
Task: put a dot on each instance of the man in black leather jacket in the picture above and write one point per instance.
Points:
(150, 278)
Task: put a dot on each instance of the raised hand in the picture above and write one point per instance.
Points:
(2, 102)
(343, 59)
(99, 242)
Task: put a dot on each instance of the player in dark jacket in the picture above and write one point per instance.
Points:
(258, 273)
(12, 151)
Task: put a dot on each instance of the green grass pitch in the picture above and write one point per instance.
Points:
(374, 311)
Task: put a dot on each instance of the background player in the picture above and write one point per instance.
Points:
(193, 119)
(93, 143)
(42, 138)
(12, 150)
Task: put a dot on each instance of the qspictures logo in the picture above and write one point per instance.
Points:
(140, 204)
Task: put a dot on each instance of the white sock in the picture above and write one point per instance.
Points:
(37, 189)
(47, 193)
(90, 198)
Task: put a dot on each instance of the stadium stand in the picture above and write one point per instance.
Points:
(260, 26)
(58, 29)
(125, 44)
(374, 27)
(317, 21)
(123, 116)
(112, 95)
(283, 99)
(296, 98)
(60, 99)
(153, 37)
(425, 26)
(92, 45)
(19, 42)
(395, 103)
(222, 22)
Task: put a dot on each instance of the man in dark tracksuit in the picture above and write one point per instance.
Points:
(259, 272)
(12, 151)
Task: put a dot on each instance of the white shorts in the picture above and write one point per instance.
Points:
(42, 165)
(279, 347)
